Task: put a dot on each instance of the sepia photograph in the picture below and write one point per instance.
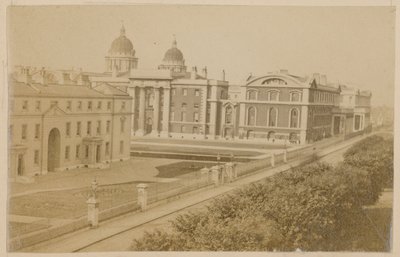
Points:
(190, 127)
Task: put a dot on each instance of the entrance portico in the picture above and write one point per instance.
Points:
(93, 156)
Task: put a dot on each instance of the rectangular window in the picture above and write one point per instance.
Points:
(107, 148)
(98, 129)
(36, 157)
(196, 117)
(67, 152)
(121, 147)
(90, 105)
(183, 129)
(173, 91)
(196, 106)
(79, 105)
(195, 130)
(172, 118)
(77, 151)
(108, 125)
(37, 131)
(69, 105)
(197, 92)
(86, 151)
(24, 131)
(68, 129)
(37, 107)
(123, 105)
(89, 128)
(25, 105)
(78, 128)
(183, 116)
(184, 91)
(108, 105)
(99, 105)
(122, 125)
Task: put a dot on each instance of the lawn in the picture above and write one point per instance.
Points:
(19, 228)
(181, 168)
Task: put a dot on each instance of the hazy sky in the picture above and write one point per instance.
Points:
(349, 44)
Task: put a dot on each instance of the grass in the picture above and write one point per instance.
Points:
(19, 228)
(181, 168)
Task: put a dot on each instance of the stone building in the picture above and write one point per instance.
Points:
(57, 122)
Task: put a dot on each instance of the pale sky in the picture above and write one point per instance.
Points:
(349, 44)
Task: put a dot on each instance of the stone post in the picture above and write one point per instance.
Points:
(229, 171)
(221, 169)
(272, 159)
(285, 156)
(206, 172)
(142, 196)
(93, 212)
(215, 175)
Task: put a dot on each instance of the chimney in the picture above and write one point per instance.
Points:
(26, 77)
(193, 75)
(323, 79)
(284, 71)
(317, 78)
(43, 77)
(223, 75)
(205, 72)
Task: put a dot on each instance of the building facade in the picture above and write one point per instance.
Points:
(61, 124)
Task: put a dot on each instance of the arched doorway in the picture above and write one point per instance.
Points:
(53, 150)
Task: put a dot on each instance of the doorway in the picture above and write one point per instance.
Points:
(98, 153)
(53, 150)
(20, 167)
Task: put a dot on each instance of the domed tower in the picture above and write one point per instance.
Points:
(121, 56)
(173, 60)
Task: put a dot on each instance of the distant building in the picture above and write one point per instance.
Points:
(58, 122)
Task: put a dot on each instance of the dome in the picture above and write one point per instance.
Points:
(122, 45)
(173, 54)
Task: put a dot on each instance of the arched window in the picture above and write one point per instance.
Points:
(272, 117)
(295, 96)
(273, 95)
(251, 116)
(274, 81)
(252, 95)
(294, 118)
(228, 115)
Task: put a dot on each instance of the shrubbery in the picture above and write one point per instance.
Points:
(314, 207)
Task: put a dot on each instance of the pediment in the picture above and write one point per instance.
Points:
(54, 111)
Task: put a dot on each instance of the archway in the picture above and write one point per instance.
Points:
(53, 150)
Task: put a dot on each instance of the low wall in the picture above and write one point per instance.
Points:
(186, 156)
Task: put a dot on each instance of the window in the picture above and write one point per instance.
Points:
(274, 81)
(69, 104)
(184, 91)
(183, 129)
(273, 95)
(86, 151)
(37, 131)
(294, 118)
(77, 151)
(36, 157)
(195, 130)
(295, 97)
(121, 147)
(108, 125)
(173, 91)
(25, 105)
(122, 124)
(222, 94)
(79, 105)
(99, 105)
(196, 117)
(251, 116)
(68, 129)
(90, 105)
(172, 118)
(272, 117)
(98, 129)
(184, 105)
(89, 128)
(196, 106)
(37, 107)
(78, 128)
(67, 152)
(107, 148)
(108, 105)
(358, 122)
(53, 103)
(149, 98)
(196, 92)
(24, 131)
(252, 95)
(183, 116)
(228, 115)
(123, 105)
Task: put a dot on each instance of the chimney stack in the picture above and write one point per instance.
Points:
(323, 80)
(223, 75)
(193, 75)
(317, 78)
(205, 72)
(26, 77)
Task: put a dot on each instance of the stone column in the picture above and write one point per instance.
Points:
(142, 196)
(272, 159)
(215, 175)
(142, 107)
(285, 156)
(303, 123)
(93, 212)
(206, 172)
(213, 119)
(165, 123)
(132, 93)
(156, 112)
(228, 170)
(234, 171)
